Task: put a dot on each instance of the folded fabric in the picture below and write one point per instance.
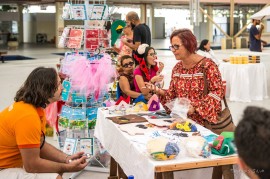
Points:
(153, 103)
(227, 148)
(127, 100)
(140, 99)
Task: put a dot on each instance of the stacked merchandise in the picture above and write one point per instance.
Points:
(85, 85)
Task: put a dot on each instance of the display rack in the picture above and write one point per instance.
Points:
(89, 41)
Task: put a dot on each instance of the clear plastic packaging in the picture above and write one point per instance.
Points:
(179, 107)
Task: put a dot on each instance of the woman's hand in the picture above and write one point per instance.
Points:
(161, 66)
(157, 78)
(191, 109)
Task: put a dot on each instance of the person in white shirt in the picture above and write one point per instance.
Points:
(205, 50)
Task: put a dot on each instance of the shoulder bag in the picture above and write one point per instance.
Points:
(225, 121)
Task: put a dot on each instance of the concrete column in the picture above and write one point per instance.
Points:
(231, 17)
(152, 21)
(143, 13)
(59, 22)
(20, 24)
(210, 24)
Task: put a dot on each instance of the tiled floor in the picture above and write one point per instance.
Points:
(13, 74)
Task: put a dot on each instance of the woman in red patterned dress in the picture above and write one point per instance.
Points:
(187, 81)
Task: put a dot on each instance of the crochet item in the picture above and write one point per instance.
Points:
(162, 149)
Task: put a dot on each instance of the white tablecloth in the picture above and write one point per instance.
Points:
(245, 82)
(132, 156)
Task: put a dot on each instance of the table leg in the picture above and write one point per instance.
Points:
(164, 175)
(113, 169)
(121, 173)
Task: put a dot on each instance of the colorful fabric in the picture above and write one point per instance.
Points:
(189, 83)
(137, 71)
(21, 126)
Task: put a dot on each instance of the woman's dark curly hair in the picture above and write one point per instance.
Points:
(40, 85)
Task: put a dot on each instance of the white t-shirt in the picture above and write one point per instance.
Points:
(209, 54)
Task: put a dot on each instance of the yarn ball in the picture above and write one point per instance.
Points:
(162, 149)
(197, 146)
(141, 48)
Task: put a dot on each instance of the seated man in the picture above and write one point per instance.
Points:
(24, 153)
(252, 138)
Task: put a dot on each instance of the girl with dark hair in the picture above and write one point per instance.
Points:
(152, 74)
(205, 50)
(126, 78)
(24, 153)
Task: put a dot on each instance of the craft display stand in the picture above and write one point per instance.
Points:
(95, 40)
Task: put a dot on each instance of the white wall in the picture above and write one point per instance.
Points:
(35, 23)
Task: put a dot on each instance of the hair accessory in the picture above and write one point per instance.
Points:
(141, 48)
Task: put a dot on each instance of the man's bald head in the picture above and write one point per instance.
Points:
(132, 16)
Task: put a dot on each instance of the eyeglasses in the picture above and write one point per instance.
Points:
(175, 47)
(128, 64)
(152, 54)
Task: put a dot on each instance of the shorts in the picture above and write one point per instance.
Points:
(20, 173)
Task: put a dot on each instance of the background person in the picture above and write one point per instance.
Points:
(252, 136)
(24, 153)
(126, 78)
(206, 51)
(124, 49)
(187, 82)
(255, 36)
(141, 33)
(153, 75)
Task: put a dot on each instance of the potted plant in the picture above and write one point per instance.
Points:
(13, 42)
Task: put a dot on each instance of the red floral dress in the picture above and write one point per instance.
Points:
(189, 83)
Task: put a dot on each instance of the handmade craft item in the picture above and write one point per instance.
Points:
(223, 145)
(131, 118)
(161, 148)
(197, 146)
(116, 30)
(153, 103)
(184, 126)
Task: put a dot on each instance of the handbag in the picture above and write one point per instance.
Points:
(225, 121)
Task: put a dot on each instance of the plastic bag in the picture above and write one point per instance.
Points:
(179, 107)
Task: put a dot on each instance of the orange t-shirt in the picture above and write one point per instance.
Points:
(21, 126)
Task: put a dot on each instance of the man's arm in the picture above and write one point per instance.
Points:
(49, 152)
(131, 45)
(258, 36)
(34, 164)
